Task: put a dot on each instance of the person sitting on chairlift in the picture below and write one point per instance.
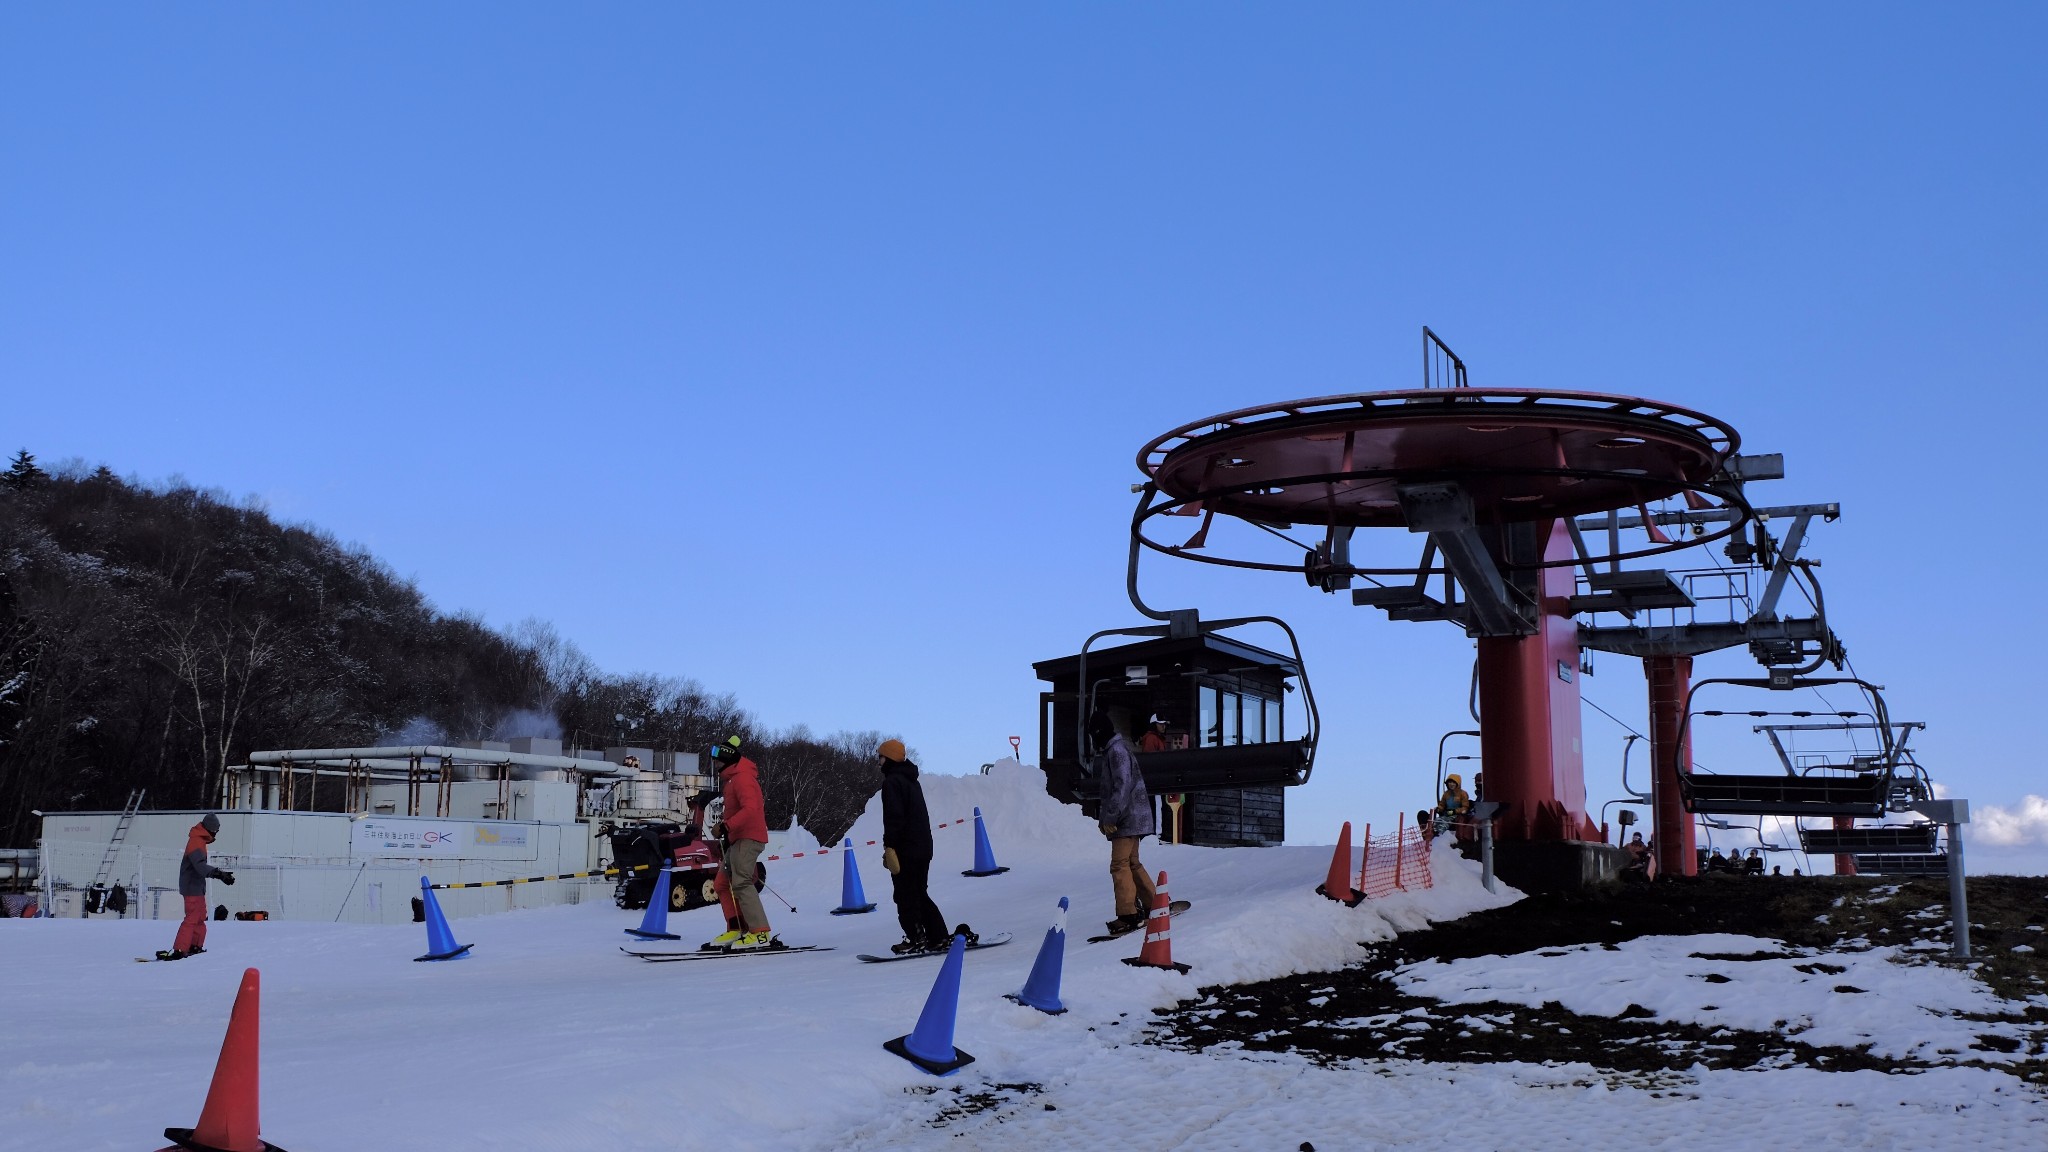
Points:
(1455, 804)
(1640, 859)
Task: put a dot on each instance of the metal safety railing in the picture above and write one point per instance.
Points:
(1441, 367)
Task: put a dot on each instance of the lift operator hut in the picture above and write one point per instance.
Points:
(1230, 754)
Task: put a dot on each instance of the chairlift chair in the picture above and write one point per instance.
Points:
(1203, 765)
(1822, 790)
(1189, 649)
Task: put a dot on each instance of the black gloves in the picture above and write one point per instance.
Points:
(227, 878)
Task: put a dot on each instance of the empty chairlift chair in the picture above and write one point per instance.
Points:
(1884, 850)
(1865, 786)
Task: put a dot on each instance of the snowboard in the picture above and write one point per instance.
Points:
(671, 957)
(988, 941)
(1173, 909)
(161, 957)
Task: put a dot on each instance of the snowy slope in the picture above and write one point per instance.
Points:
(549, 1038)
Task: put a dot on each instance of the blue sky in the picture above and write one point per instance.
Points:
(807, 352)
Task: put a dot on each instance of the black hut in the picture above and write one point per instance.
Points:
(1231, 744)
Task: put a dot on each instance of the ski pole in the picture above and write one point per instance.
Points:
(777, 895)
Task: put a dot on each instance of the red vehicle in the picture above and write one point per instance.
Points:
(662, 842)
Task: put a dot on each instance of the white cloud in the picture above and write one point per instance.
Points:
(2025, 824)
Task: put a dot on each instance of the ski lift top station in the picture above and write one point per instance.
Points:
(1537, 538)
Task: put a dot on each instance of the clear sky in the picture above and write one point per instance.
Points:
(806, 351)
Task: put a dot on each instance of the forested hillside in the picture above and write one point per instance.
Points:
(151, 636)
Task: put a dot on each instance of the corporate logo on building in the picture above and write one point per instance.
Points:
(411, 838)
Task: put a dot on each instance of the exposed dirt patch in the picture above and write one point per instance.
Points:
(957, 1102)
(1359, 1013)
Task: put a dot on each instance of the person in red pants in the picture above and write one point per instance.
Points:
(193, 873)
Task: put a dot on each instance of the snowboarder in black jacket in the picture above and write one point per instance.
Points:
(907, 853)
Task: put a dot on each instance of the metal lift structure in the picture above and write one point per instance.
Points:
(1538, 540)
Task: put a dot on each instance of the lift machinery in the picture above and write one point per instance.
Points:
(1529, 503)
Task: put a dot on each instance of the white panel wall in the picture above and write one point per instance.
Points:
(297, 866)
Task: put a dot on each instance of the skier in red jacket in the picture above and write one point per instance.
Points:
(743, 826)
(193, 873)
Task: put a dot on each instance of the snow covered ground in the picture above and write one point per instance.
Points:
(548, 1038)
(1827, 999)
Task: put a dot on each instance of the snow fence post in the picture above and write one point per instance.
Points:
(1365, 863)
(1400, 846)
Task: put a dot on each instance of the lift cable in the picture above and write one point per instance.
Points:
(1611, 716)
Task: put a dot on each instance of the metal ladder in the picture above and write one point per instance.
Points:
(128, 811)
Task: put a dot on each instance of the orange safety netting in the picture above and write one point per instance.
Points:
(1394, 862)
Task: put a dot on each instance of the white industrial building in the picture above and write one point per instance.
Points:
(454, 814)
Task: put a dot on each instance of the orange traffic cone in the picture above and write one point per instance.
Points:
(1337, 886)
(227, 1123)
(1158, 949)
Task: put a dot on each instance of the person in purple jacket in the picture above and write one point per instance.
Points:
(1125, 817)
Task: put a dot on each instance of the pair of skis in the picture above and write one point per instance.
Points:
(671, 956)
(989, 941)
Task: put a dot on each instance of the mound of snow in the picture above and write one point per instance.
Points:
(1021, 817)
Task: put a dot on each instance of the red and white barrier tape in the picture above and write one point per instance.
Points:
(865, 844)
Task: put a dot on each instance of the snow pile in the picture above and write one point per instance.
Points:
(1015, 808)
(1720, 980)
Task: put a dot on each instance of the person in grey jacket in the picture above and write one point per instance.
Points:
(193, 873)
(1125, 817)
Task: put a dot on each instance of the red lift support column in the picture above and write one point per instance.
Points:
(1670, 677)
(1529, 736)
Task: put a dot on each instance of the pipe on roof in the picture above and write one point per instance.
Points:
(438, 751)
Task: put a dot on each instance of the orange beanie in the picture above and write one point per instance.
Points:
(892, 750)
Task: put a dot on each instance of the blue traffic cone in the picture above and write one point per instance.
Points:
(654, 925)
(441, 943)
(1042, 987)
(984, 856)
(851, 898)
(930, 1044)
